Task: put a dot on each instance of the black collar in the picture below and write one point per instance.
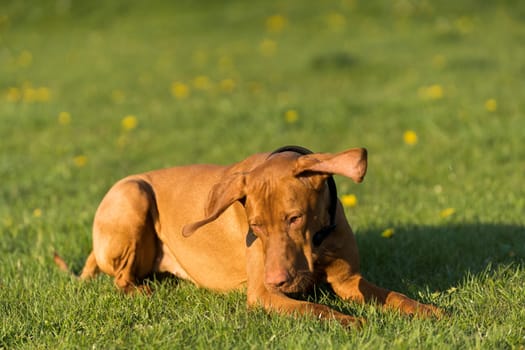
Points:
(320, 235)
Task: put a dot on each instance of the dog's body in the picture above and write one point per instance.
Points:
(249, 224)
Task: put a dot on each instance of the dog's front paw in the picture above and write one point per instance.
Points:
(426, 310)
(351, 322)
(417, 309)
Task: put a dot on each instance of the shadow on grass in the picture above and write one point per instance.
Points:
(438, 257)
(419, 258)
(430, 258)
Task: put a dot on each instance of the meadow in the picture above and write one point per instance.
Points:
(91, 91)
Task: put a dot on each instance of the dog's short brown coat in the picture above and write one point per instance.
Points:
(249, 224)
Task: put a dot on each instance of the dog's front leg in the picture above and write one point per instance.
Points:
(356, 288)
(272, 301)
(341, 266)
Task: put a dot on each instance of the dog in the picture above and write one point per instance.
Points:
(271, 223)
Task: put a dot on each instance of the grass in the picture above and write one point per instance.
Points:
(356, 74)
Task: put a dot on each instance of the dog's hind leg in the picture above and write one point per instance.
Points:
(124, 235)
(90, 267)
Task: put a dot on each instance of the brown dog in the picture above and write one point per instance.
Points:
(271, 222)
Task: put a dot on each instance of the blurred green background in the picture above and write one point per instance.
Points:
(91, 91)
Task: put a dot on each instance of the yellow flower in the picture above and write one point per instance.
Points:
(29, 94)
(276, 23)
(267, 47)
(388, 233)
(42, 94)
(491, 105)
(410, 137)
(118, 96)
(435, 92)
(37, 212)
(129, 122)
(80, 160)
(227, 85)
(180, 90)
(291, 116)
(64, 118)
(431, 92)
(336, 21)
(349, 200)
(13, 94)
(202, 82)
(24, 59)
(464, 24)
(445, 213)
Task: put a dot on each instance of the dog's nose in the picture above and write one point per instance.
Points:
(277, 278)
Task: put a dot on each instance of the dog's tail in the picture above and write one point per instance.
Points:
(60, 263)
(90, 268)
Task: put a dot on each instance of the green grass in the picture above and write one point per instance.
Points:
(356, 72)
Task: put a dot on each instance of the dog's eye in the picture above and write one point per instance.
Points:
(294, 219)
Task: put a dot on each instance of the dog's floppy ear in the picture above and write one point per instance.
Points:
(351, 163)
(221, 196)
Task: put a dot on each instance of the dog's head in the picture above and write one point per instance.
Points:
(286, 201)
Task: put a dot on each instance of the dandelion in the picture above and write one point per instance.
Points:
(37, 212)
(180, 90)
(349, 200)
(24, 59)
(80, 161)
(267, 47)
(445, 213)
(388, 233)
(42, 94)
(13, 94)
(129, 122)
(64, 118)
(336, 21)
(28, 93)
(410, 137)
(227, 85)
(464, 24)
(291, 116)
(431, 92)
(276, 23)
(435, 92)
(118, 96)
(202, 82)
(491, 105)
